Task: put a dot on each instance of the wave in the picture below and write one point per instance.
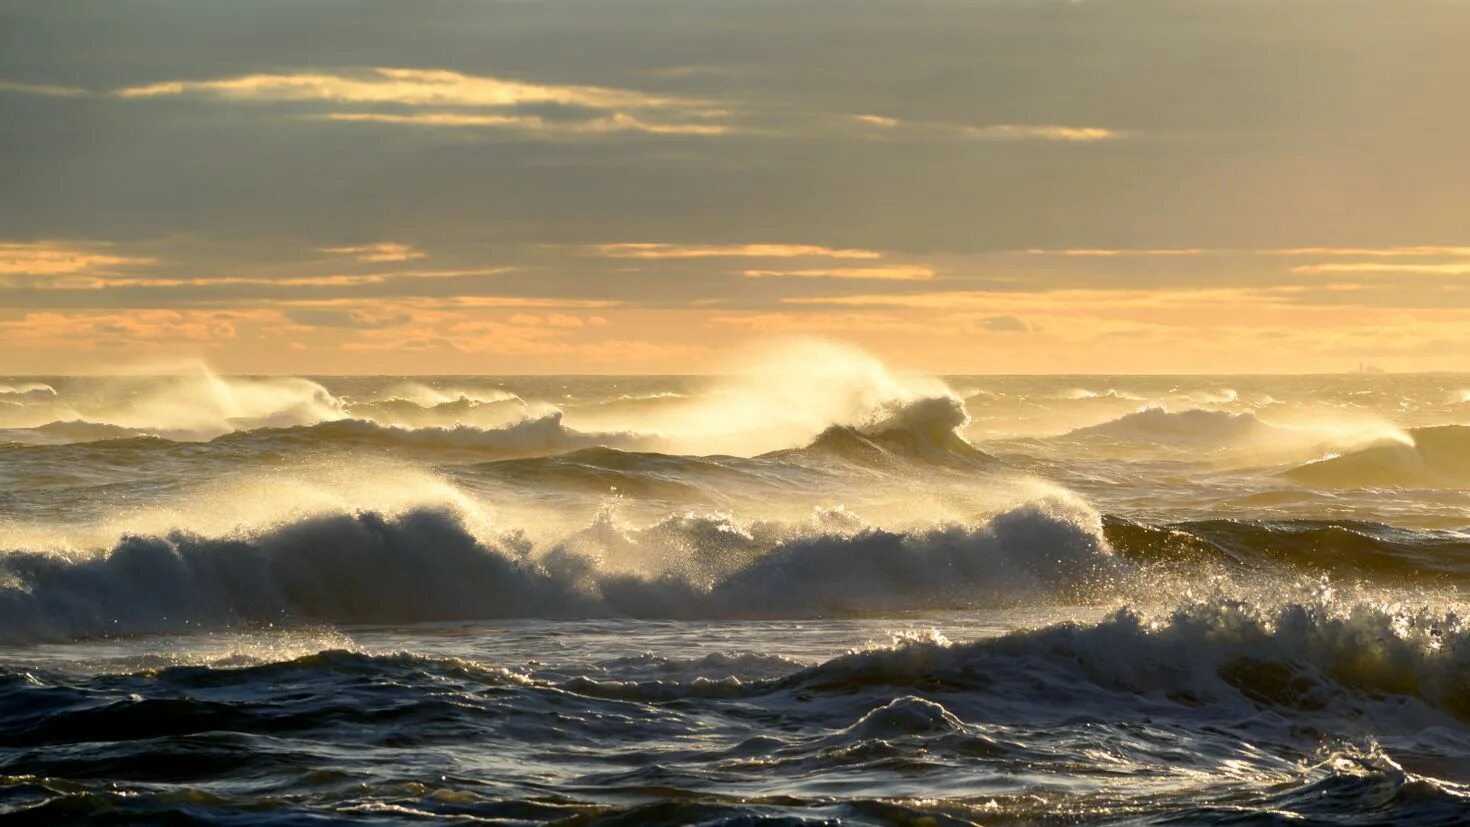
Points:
(1355, 549)
(417, 405)
(196, 405)
(1296, 657)
(27, 389)
(1079, 394)
(1435, 457)
(922, 431)
(625, 399)
(1189, 427)
(1313, 660)
(68, 431)
(426, 396)
(537, 436)
(425, 565)
(405, 413)
(1223, 657)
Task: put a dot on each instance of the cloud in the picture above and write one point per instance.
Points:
(460, 101)
(1347, 252)
(141, 328)
(562, 320)
(379, 252)
(1079, 301)
(1454, 269)
(988, 132)
(331, 317)
(118, 283)
(819, 323)
(676, 251)
(1111, 253)
(1005, 324)
(1045, 132)
(898, 272)
(615, 122)
(406, 87)
(1374, 252)
(519, 301)
(44, 89)
(55, 259)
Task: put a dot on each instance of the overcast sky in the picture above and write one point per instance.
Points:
(628, 186)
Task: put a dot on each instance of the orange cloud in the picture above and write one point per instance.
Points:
(1454, 269)
(45, 258)
(615, 122)
(48, 90)
(407, 87)
(901, 272)
(677, 251)
(1043, 132)
(1109, 253)
(139, 328)
(379, 252)
(818, 323)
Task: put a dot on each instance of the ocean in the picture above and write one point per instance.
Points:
(821, 592)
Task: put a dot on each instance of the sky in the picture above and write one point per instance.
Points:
(629, 186)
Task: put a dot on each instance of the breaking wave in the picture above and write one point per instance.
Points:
(1299, 656)
(425, 565)
(27, 389)
(925, 430)
(1353, 549)
(1316, 659)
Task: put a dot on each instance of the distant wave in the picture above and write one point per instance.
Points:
(1439, 457)
(27, 389)
(407, 413)
(428, 396)
(193, 406)
(418, 405)
(922, 432)
(913, 439)
(537, 436)
(1079, 394)
(630, 399)
(68, 431)
(1192, 427)
(425, 565)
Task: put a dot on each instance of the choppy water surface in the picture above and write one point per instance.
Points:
(813, 594)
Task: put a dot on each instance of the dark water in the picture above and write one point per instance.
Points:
(840, 597)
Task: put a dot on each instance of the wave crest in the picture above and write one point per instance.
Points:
(1189, 427)
(1435, 457)
(535, 436)
(1297, 656)
(425, 565)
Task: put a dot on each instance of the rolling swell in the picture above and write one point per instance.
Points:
(424, 565)
(1221, 656)
(1189, 427)
(1224, 657)
(1354, 549)
(1297, 657)
(529, 437)
(1438, 458)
